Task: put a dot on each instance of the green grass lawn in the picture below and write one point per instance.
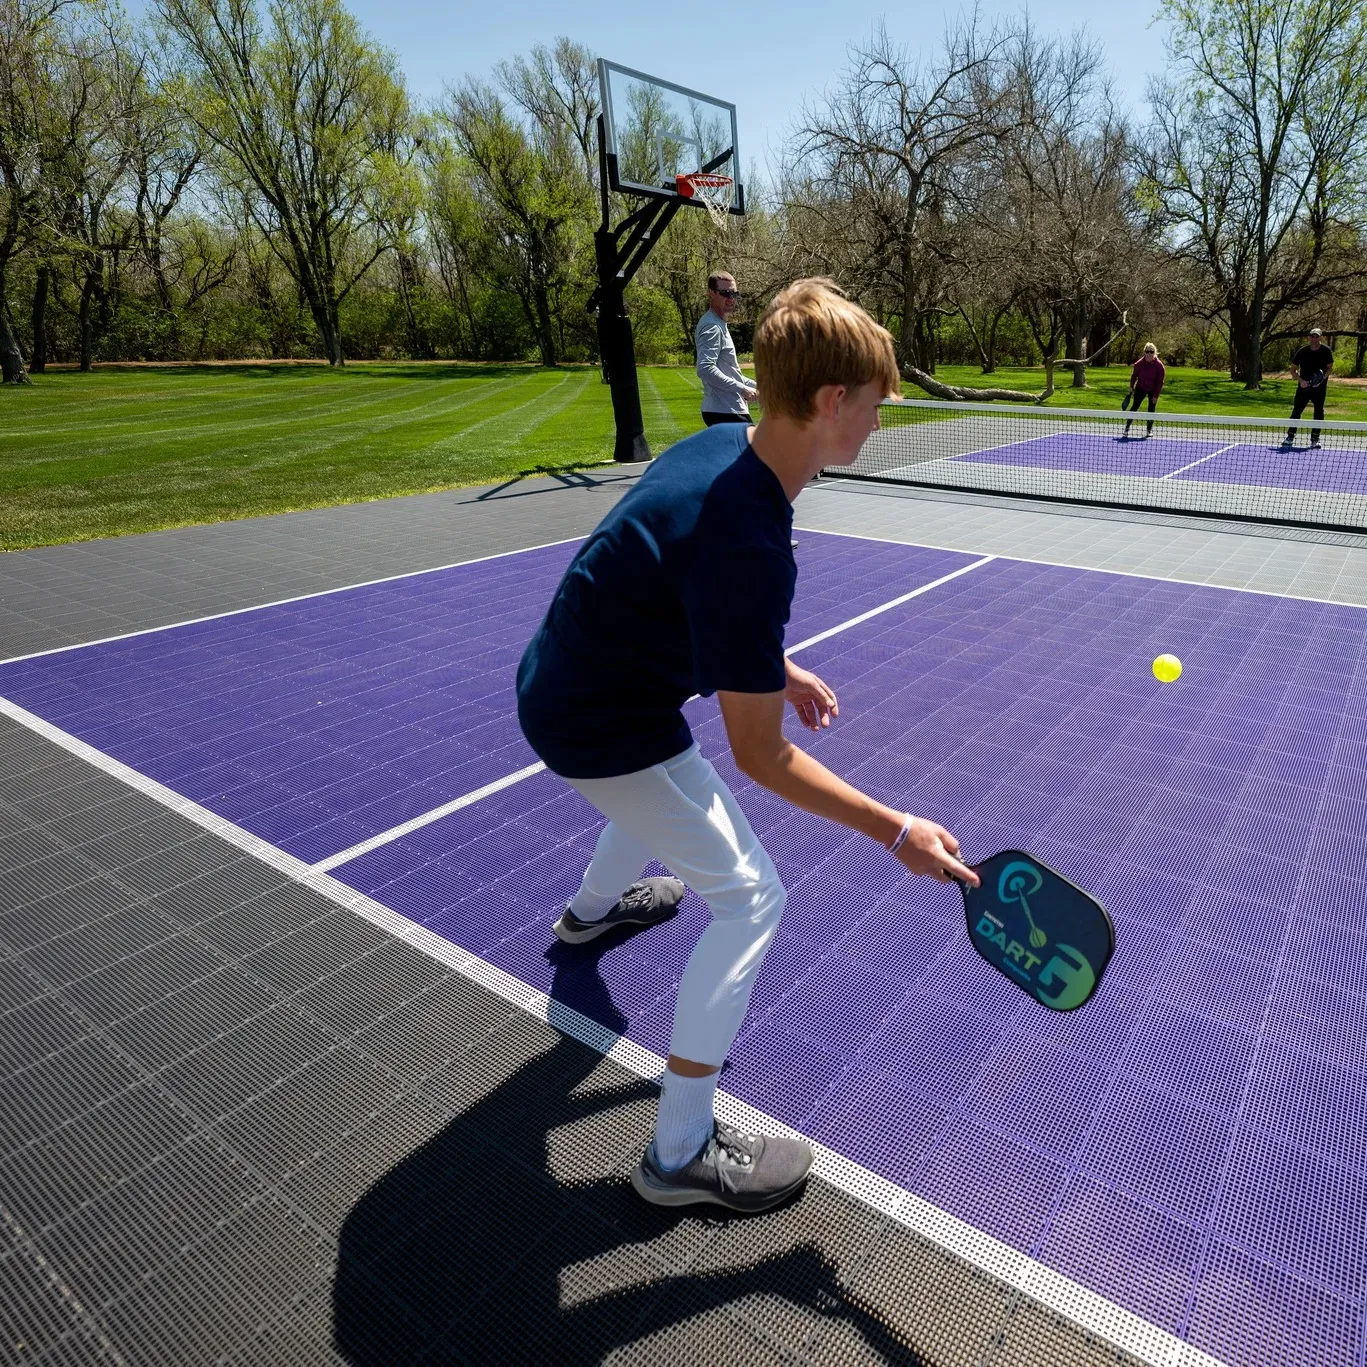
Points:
(132, 450)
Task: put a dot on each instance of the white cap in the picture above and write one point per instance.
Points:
(1315, 332)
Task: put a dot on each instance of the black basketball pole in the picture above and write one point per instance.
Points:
(618, 263)
(616, 345)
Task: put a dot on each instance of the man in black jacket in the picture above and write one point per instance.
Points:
(1310, 366)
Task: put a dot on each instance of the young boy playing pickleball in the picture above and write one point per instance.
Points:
(685, 587)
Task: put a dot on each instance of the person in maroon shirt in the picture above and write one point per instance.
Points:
(1146, 382)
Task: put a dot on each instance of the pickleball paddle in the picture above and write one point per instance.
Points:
(1035, 927)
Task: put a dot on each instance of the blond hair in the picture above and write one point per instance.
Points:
(813, 335)
(1150, 349)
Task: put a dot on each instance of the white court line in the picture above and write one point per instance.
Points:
(889, 605)
(427, 818)
(1018, 1270)
(1202, 461)
(990, 450)
(282, 602)
(498, 785)
(1094, 569)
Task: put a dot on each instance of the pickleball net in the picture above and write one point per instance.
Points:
(1213, 466)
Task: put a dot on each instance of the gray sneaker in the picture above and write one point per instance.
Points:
(644, 903)
(745, 1172)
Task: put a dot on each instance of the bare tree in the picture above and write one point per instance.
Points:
(889, 146)
(1066, 213)
(558, 89)
(1256, 139)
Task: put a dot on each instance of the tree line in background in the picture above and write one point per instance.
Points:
(250, 178)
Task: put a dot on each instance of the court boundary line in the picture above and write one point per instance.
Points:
(1202, 461)
(416, 823)
(285, 602)
(986, 450)
(1097, 569)
(1164, 417)
(497, 785)
(1085, 1308)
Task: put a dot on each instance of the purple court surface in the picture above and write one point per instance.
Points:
(1212, 461)
(1190, 1145)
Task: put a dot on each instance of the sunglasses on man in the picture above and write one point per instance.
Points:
(728, 294)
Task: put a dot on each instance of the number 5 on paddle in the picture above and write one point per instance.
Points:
(1038, 929)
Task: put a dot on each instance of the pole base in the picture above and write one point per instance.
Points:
(630, 450)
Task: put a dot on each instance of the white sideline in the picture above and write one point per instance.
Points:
(437, 813)
(282, 602)
(1091, 569)
(1030, 413)
(1191, 465)
(426, 818)
(1092, 1312)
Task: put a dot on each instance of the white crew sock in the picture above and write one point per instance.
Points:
(588, 905)
(685, 1122)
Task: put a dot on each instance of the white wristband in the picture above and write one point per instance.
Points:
(902, 834)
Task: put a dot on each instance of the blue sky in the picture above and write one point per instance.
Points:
(766, 56)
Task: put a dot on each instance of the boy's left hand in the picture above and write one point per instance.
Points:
(813, 702)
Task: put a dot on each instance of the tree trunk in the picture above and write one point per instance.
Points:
(332, 342)
(419, 345)
(11, 356)
(327, 316)
(1245, 345)
(926, 340)
(1077, 346)
(39, 316)
(990, 349)
(1252, 365)
(937, 389)
(85, 321)
(545, 328)
(906, 352)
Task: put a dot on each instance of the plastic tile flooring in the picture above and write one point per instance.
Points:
(240, 1122)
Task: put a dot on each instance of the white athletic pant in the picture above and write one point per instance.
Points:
(681, 813)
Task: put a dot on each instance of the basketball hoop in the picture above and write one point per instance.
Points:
(712, 191)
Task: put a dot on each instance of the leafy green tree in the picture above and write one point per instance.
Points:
(1256, 152)
(530, 182)
(302, 114)
(100, 95)
(29, 45)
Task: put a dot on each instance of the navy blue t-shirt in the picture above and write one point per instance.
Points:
(684, 588)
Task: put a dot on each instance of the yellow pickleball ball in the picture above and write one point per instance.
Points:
(1167, 668)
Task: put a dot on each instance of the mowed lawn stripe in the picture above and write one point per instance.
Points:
(290, 411)
(320, 438)
(291, 433)
(224, 412)
(663, 429)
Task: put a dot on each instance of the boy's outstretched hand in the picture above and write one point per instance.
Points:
(930, 850)
(812, 700)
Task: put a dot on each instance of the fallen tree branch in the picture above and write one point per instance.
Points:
(937, 389)
(968, 394)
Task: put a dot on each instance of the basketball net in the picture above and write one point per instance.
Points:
(712, 191)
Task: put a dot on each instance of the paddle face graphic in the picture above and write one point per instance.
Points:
(1038, 929)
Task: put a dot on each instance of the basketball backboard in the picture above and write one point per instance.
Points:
(656, 130)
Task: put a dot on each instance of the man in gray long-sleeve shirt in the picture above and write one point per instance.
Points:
(725, 390)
